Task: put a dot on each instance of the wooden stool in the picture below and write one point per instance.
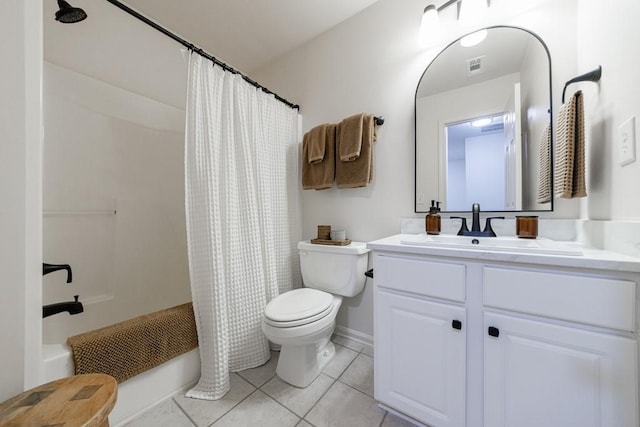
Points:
(81, 400)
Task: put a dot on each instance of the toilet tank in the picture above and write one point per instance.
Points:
(338, 270)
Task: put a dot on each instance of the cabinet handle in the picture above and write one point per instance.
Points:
(494, 332)
(456, 324)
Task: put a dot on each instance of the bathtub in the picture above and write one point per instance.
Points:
(137, 394)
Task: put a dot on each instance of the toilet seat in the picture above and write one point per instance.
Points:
(298, 307)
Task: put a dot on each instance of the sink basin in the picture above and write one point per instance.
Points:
(500, 244)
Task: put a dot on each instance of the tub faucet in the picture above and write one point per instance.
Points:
(72, 307)
(50, 268)
(475, 224)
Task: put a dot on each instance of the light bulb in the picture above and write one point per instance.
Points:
(473, 38)
(430, 26)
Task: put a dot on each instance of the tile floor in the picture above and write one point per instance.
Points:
(342, 395)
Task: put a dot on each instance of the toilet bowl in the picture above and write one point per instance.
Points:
(302, 320)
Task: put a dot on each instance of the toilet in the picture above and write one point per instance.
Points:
(302, 320)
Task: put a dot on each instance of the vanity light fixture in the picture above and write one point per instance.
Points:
(469, 12)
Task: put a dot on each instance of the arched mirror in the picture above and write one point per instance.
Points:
(482, 114)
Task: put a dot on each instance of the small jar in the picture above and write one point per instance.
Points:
(527, 227)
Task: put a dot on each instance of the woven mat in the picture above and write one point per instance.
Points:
(129, 348)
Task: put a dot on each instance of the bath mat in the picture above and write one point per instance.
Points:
(129, 348)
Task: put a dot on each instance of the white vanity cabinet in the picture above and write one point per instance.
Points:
(539, 371)
(541, 374)
(465, 338)
(420, 347)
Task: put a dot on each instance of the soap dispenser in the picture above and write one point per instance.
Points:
(432, 219)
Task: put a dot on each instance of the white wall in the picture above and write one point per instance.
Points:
(110, 150)
(608, 35)
(20, 191)
(372, 62)
(116, 48)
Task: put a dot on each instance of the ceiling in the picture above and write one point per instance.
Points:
(248, 34)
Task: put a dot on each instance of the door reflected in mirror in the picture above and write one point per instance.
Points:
(480, 140)
(505, 81)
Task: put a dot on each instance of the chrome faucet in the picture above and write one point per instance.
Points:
(475, 224)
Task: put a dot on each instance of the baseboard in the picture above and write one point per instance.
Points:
(354, 335)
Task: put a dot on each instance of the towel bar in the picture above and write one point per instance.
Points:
(379, 120)
(591, 76)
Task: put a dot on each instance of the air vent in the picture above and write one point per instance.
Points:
(476, 65)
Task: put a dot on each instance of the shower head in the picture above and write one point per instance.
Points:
(69, 14)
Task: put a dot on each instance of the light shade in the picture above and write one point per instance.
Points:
(430, 26)
(472, 11)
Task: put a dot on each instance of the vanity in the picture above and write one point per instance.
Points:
(509, 336)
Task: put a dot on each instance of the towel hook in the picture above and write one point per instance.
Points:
(591, 76)
(379, 120)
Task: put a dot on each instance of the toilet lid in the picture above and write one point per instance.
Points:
(298, 304)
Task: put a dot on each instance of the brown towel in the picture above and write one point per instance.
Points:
(350, 137)
(358, 172)
(570, 153)
(135, 345)
(316, 138)
(319, 175)
(544, 178)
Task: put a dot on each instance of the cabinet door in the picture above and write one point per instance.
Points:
(539, 374)
(420, 358)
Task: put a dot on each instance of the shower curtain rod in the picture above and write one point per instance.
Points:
(198, 50)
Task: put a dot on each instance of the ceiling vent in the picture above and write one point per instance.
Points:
(476, 65)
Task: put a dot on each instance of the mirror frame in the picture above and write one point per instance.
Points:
(550, 112)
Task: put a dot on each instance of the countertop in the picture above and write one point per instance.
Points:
(591, 259)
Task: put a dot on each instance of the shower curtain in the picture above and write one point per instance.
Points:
(243, 217)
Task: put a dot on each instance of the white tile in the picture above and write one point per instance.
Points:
(346, 342)
(258, 410)
(340, 361)
(260, 375)
(165, 414)
(391, 420)
(359, 374)
(303, 423)
(205, 412)
(298, 400)
(345, 406)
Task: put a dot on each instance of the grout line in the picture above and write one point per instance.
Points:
(237, 403)
(334, 380)
(175, 402)
(288, 409)
(383, 418)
